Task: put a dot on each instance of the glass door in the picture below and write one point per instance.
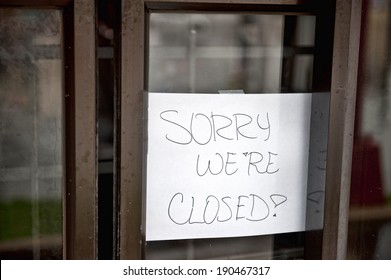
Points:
(238, 49)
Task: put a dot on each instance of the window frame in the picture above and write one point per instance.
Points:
(80, 162)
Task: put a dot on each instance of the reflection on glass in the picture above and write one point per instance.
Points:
(370, 197)
(208, 53)
(31, 134)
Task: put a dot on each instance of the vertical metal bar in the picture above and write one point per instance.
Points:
(116, 133)
(81, 147)
(341, 127)
(323, 56)
(130, 150)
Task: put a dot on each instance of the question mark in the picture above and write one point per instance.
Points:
(278, 199)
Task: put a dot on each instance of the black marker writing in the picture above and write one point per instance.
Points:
(239, 127)
(163, 115)
(220, 164)
(265, 128)
(255, 161)
(229, 163)
(202, 129)
(251, 208)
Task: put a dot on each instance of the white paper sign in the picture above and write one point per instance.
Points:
(226, 165)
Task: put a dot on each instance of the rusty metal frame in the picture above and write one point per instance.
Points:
(341, 127)
(81, 132)
(346, 16)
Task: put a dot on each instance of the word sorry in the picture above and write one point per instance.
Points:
(203, 129)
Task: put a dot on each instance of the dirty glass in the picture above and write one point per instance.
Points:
(234, 53)
(31, 133)
(206, 53)
(370, 196)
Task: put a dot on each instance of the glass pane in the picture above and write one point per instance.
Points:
(370, 197)
(207, 53)
(236, 53)
(31, 134)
